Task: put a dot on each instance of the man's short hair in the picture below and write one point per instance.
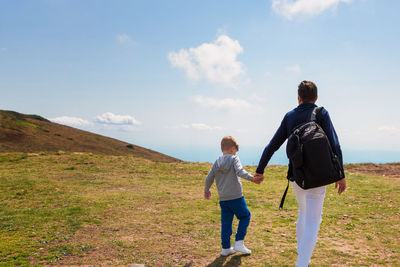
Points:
(228, 142)
(308, 91)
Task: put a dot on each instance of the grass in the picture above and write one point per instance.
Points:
(78, 208)
(25, 123)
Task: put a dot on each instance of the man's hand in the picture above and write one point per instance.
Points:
(342, 185)
(207, 195)
(258, 178)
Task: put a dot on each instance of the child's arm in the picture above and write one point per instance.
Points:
(240, 171)
(208, 183)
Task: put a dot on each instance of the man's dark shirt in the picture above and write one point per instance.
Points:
(292, 119)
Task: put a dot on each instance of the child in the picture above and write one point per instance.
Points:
(226, 171)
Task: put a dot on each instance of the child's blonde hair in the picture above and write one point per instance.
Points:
(228, 142)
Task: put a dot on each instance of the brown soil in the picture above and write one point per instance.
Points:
(390, 169)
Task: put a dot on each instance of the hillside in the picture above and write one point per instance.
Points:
(33, 133)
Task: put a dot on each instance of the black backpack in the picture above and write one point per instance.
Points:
(312, 160)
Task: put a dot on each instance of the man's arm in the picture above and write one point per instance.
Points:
(275, 143)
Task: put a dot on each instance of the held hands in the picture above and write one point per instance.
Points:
(258, 178)
(207, 195)
(342, 185)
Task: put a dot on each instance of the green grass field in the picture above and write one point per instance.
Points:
(65, 209)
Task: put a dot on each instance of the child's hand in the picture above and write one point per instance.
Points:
(207, 195)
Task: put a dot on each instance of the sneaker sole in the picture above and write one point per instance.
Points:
(245, 252)
(223, 255)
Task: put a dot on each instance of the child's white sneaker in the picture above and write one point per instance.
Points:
(227, 251)
(239, 246)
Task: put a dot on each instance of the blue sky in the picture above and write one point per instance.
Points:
(176, 76)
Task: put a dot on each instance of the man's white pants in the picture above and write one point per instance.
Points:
(310, 203)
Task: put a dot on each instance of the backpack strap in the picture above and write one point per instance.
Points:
(313, 115)
(284, 196)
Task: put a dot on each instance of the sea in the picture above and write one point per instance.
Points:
(251, 155)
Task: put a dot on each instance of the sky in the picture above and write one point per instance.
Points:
(177, 76)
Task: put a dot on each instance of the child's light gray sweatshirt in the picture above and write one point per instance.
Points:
(226, 171)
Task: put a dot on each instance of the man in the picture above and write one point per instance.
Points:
(310, 201)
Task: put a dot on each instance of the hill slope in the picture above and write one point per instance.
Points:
(33, 133)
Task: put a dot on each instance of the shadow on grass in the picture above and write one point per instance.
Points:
(234, 261)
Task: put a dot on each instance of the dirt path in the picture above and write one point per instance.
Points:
(390, 169)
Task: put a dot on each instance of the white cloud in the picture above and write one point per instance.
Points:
(215, 62)
(267, 74)
(110, 118)
(291, 8)
(200, 126)
(123, 38)
(295, 69)
(71, 121)
(255, 98)
(225, 103)
(389, 129)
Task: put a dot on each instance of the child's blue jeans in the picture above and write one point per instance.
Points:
(229, 208)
